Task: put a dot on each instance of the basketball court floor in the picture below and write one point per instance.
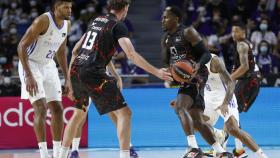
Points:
(166, 152)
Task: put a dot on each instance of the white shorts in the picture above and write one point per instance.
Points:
(46, 76)
(215, 114)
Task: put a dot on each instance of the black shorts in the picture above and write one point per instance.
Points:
(102, 89)
(196, 89)
(246, 91)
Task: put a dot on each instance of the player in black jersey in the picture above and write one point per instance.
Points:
(185, 43)
(248, 83)
(89, 79)
(244, 70)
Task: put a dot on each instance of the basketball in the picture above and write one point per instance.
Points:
(182, 70)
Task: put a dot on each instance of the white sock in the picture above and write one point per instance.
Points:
(75, 144)
(130, 145)
(218, 148)
(124, 154)
(238, 144)
(63, 152)
(192, 141)
(43, 149)
(260, 154)
(56, 148)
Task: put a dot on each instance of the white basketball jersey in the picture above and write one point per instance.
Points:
(215, 89)
(45, 47)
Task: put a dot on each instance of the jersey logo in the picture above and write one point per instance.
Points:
(63, 34)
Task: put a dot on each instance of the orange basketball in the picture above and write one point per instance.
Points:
(182, 70)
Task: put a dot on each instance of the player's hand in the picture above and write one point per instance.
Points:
(164, 75)
(31, 85)
(119, 83)
(195, 70)
(224, 109)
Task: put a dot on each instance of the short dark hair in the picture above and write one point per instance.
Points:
(59, 1)
(118, 4)
(176, 11)
(240, 24)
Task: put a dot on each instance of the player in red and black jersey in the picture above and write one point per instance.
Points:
(248, 83)
(185, 43)
(248, 80)
(88, 75)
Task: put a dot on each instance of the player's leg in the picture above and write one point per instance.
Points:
(53, 92)
(123, 123)
(133, 153)
(39, 105)
(233, 129)
(40, 112)
(57, 125)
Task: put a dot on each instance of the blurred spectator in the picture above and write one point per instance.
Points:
(276, 18)
(10, 14)
(267, 62)
(263, 11)
(264, 33)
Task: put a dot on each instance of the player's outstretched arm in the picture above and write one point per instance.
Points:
(199, 49)
(38, 27)
(218, 66)
(62, 60)
(138, 60)
(242, 50)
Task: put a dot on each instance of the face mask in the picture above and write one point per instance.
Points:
(32, 3)
(13, 31)
(263, 27)
(91, 9)
(7, 80)
(263, 49)
(3, 60)
(34, 14)
(119, 71)
(14, 5)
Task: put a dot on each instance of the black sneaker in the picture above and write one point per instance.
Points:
(225, 155)
(194, 153)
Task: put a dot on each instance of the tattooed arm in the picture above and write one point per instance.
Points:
(242, 49)
(218, 66)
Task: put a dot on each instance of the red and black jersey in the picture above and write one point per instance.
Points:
(100, 43)
(250, 60)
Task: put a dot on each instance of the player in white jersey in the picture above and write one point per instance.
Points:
(44, 39)
(221, 101)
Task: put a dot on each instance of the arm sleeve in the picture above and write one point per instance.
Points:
(202, 53)
(120, 30)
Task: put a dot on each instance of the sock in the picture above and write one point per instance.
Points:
(217, 132)
(75, 144)
(43, 149)
(63, 152)
(192, 141)
(130, 144)
(56, 148)
(238, 144)
(124, 154)
(260, 154)
(218, 148)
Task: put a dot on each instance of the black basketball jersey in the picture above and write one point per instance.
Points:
(250, 60)
(99, 44)
(178, 47)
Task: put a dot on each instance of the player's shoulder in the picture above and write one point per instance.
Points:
(242, 45)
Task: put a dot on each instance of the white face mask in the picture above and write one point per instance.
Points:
(3, 60)
(34, 14)
(91, 9)
(119, 70)
(263, 49)
(7, 80)
(13, 31)
(263, 27)
(32, 3)
(14, 5)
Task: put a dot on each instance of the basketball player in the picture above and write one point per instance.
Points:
(76, 141)
(89, 79)
(246, 74)
(219, 90)
(44, 39)
(186, 43)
